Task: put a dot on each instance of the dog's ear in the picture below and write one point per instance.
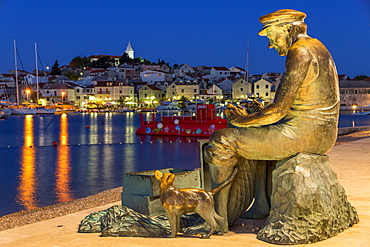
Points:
(158, 175)
(171, 177)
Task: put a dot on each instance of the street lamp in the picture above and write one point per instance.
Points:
(63, 93)
(28, 93)
(152, 99)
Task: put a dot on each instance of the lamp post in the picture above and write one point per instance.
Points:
(63, 93)
(28, 93)
(152, 99)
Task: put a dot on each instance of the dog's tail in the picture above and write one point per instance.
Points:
(225, 183)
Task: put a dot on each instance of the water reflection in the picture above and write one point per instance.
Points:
(63, 164)
(27, 179)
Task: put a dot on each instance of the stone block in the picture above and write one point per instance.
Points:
(307, 202)
(144, 183)
(146, 205)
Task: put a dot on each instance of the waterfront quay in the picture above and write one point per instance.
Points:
(348, 160)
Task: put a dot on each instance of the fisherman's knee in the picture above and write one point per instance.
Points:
(220, 149)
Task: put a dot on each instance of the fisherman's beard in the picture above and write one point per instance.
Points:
(281, 47)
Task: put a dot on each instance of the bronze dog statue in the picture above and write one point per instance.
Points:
(177, 202)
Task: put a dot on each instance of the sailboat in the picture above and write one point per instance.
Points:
(4, 105)
(40, 109)
(4, 110)
(19, 110)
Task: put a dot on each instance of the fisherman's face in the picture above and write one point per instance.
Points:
(278, 39)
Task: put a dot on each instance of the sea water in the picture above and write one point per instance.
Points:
(48, 159)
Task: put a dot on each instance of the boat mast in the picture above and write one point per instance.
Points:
(16, 70)
(247, 64)
(37, 77)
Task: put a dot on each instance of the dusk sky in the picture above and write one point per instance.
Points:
(196, 32)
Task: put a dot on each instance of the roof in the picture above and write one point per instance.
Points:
(152, 87)
(221, 68)
(99, 56)
(55, 86)
(354, 84)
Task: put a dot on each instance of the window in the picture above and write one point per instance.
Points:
(346, 92)
(257, 86)
(267, 94)
(77, 90)
(182, 90)
(356, 92)
(78, 97)
(267, 86)
(196, 90)
(241, 89)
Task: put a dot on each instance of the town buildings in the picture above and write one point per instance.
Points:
(142, 83)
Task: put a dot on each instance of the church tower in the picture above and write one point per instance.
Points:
(130, 51)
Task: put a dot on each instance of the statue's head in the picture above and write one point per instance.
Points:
(282, 28)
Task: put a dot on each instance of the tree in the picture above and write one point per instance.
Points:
(80, 62)
(360, 77)
(125, 58)
(183, 100)
(55, 69)
(103, 62)
(71, 74)
(161, 62)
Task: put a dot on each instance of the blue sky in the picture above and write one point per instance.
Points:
(197, 32)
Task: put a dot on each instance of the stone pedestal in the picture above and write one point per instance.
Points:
(141, 189)
(307, 203)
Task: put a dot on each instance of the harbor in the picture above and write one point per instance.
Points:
(50, 159)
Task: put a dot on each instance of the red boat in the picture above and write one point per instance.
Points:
(203, 124)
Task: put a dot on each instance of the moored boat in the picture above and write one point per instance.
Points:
(43, 110)
(361, 113)
(23, 111)
(4, 110)
(168, 106)
(4, 113)
(203, 124)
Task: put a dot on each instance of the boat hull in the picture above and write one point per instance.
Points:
(23, 111)
(361, 113)
(182, 126)
(4, 113)
(41, 110)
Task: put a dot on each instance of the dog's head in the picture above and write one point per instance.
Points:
(165, 179)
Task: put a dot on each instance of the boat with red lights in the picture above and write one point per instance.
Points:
(203, 124)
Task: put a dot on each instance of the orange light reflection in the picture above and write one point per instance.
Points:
(63, 168)
(27, 184)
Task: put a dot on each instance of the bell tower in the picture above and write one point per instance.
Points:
(130, 51)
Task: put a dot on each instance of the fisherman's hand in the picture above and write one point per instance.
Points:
(235, 112)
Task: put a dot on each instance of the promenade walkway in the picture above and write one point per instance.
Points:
(351, 162)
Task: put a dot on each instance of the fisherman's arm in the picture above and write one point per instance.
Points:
(297, 69)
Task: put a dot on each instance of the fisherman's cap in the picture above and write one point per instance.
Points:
(282, 16)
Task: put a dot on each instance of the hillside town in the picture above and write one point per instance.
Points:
(140, 83)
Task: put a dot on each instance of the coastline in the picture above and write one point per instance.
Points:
(26, 217)
(114, 195)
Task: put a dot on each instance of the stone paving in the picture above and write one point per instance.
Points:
(350, 161)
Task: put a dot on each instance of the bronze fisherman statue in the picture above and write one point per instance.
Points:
(303, 117)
